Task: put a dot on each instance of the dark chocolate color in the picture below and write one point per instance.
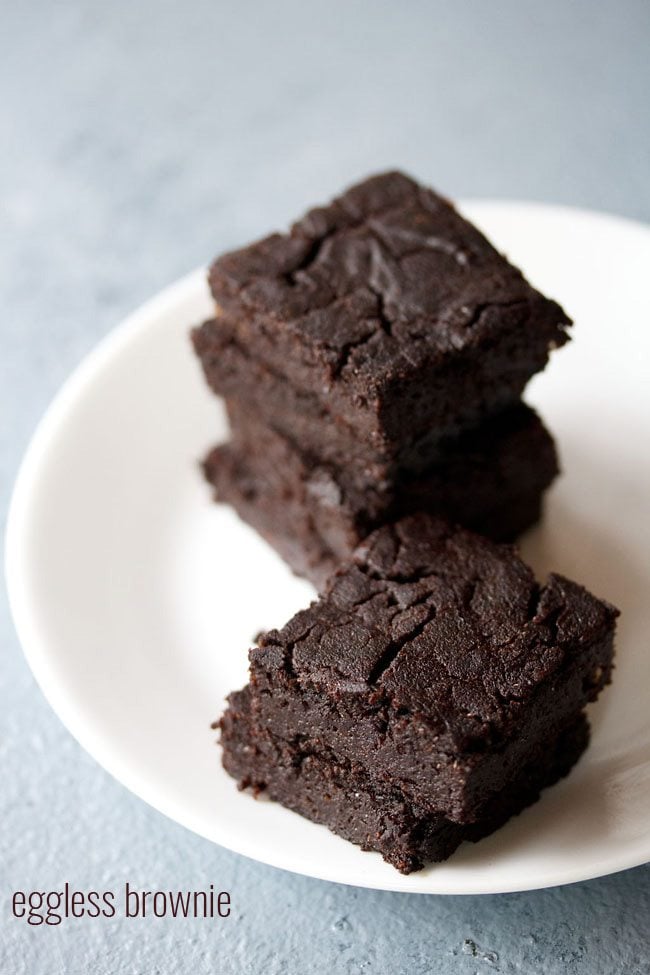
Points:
(490, 479)
(389, 308)
(340, 794)
(436, 661)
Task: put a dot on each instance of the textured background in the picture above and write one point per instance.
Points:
(138, 138)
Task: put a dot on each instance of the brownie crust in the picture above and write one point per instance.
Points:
(435, 660)
(390, 308)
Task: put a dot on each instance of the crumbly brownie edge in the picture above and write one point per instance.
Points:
(507, 457)
(341, 796)
(401, 750)
(283, 523)
(417, 405)
(491, 482)
(344, 667)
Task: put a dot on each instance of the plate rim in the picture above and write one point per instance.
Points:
(34, 644)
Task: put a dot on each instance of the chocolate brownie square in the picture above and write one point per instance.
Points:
(375, 815)
(389, 311)
(491, 479)
(436, 663)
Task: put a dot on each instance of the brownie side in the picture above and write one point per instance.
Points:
(342, 796)
(464, 476)
(439, 399)
(269, 496)
(303, 415)
(491, 479)
(436, 660)
(388, 304)
(400, 748)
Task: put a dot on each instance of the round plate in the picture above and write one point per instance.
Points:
(136, 598)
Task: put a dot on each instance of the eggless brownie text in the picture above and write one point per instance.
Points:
(52, 907)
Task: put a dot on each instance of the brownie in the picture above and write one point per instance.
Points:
(328, 789)
(435, 661)
(491, 479)
(387, 308)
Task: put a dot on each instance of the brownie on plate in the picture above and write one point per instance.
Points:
(490, 478)
(431, 691)
(340, 794)
(387, 311)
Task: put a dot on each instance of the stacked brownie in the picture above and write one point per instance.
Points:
(428, 695)
(372, 361)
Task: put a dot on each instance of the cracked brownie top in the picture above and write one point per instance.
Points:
(435, 621)
(384, 279)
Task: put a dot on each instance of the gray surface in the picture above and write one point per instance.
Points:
(138, 139)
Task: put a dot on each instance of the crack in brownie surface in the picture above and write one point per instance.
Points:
(390, 309)
(430, 274)
(412, 624)
(372, 360)
(436, 661)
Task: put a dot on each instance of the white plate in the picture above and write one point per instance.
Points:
(136, 597)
